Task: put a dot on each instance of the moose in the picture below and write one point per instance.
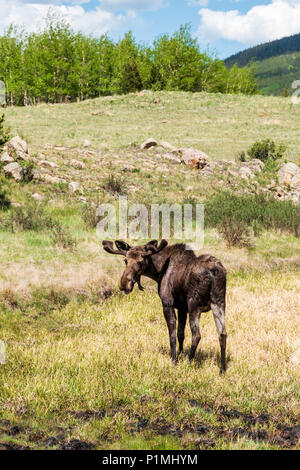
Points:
(186, 282)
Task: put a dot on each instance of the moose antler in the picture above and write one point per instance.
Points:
(151, 248)
(122, 247)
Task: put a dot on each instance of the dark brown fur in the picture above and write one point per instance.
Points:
(186, 282)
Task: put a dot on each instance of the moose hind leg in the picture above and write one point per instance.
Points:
(194, 318)
(170, 317)
(219, 317)
(182, 315)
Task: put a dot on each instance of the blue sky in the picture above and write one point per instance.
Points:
(224, 26)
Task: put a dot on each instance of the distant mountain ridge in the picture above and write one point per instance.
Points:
(264, 51)
(277, 64)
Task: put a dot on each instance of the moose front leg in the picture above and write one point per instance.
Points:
(182, 316)
(171, 322)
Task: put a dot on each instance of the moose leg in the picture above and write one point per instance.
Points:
(194, 318)
(219, 317)
(171, 322)
(182, 315)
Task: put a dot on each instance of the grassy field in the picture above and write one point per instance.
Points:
(88, 367)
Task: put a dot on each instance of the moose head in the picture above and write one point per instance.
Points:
(137, 260)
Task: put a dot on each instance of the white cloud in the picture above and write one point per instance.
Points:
(198, 3)
(261, 23)
(132, 4)
(31, 16)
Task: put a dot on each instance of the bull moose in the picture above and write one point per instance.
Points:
(186, 282)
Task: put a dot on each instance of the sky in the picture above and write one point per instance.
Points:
(224, 27)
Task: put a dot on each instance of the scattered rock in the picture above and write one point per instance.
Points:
(77, 164)
(75, 187)
(14, 170)
(17, 149)
(47, 164)
(193, 158)
(51, 179)
(287, 172)
(148, 144)
(86, 143)
(172, 158)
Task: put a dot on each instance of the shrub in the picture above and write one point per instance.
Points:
(267, 150)
(114, 186)
(255, 210)
(28, 167)
(235, 232)
(4, 200)
(4, 133)
(61, 236)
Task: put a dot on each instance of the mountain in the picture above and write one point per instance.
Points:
(277, 63)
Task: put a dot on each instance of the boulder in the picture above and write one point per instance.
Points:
(193, 158)
(287, 172)
(51, 179)
(14, 170)
(17, 149)
(148, 144)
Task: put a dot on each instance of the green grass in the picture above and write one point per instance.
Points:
(85, 362)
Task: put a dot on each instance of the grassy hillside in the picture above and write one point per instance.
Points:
(276, 75)
(278, 64)
(88, 367)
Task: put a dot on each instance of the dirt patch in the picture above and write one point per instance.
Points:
(76, 444)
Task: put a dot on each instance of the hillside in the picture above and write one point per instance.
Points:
(277, 62)
(88, 367)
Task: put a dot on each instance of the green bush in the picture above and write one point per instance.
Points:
(28, 167)
(257, 211)
(267, 151)
(4, 133)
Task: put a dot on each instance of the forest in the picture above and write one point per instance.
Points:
(57, 64)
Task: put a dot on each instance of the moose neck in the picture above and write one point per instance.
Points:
(156, 264)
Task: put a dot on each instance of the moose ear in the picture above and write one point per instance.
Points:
(122, 246)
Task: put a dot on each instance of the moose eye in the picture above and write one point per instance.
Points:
(126, 262)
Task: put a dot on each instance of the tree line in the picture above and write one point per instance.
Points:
(58, 65)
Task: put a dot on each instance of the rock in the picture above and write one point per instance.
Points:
(86, 143)
(148, 144)
(47, 164)
(287, 172)
(14, 170)
(172, 158)
(295, 183)
(255, 165)
(245, 172)
(37, 196)
(17, 149)
(51, 179)
(193, 158)
(77, 164)
(75, 187)
(167, 146)
(5, 158)
(16, 204)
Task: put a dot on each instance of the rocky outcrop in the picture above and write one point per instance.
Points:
(148, 144)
